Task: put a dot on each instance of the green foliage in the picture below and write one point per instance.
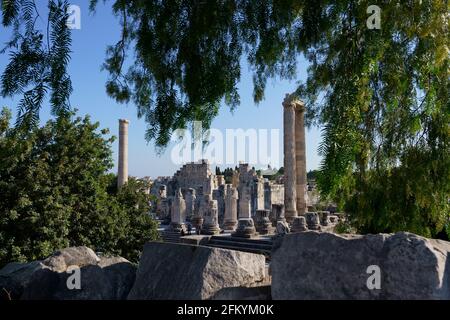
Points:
(382, 98)
(228, 174)
(38, 59)
(54, 193)
(186, 56)
(344, 227)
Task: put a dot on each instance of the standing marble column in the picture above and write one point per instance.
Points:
(231, 198)
(290, 194)
(122, 175)
(300, 157)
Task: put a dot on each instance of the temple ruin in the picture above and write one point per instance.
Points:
(247, 211)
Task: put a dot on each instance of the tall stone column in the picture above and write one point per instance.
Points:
(122, 174)
(300, 157)
(290, 194)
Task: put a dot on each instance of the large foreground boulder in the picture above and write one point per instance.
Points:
(56, 277)
(14, 277)
(180, 271)
(313, 265)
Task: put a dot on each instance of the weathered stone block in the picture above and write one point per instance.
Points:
(180, 271)
(108, 278)
(312, 265)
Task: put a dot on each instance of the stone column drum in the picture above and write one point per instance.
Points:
(290, 194)
(231, 199)
(299, 224)
(122, 174)
(263, 224)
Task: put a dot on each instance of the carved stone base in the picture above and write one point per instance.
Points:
(299, 224)
(290, 216)
(210, 229)
(230, 225)
(245, 229)
(325, 218)
(267, 228)
(263, 224)
(282, 228)
(313, 221)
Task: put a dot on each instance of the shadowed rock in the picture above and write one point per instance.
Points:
(100, 278)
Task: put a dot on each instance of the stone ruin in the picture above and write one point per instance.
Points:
(250, 205)
(195, 181)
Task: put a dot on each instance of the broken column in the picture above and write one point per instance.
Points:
(190, 203)
(277, 214)
(289, 158)
(246, 225)
(299, 224)
(122, 173)
(263, 224)
(300, 156)
(178, 214)
(231, 199)
(211, 217)
(208, 185)
(313, 221)
(245, 203)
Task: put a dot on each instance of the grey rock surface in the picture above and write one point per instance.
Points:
(180, 271)
(313, 265)
(100, 278)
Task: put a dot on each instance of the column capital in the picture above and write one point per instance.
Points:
(291, 101)
(124, 121)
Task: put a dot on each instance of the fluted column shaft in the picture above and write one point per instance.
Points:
(122, 175)
(289, 160)
(300, 155)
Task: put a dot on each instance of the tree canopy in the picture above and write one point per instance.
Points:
(380, 95)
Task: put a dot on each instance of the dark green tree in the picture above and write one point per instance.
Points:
(382, 99)
(55, 192)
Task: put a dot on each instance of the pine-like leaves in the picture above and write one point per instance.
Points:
(38, 60)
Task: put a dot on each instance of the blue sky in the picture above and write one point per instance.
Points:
(89, 97)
